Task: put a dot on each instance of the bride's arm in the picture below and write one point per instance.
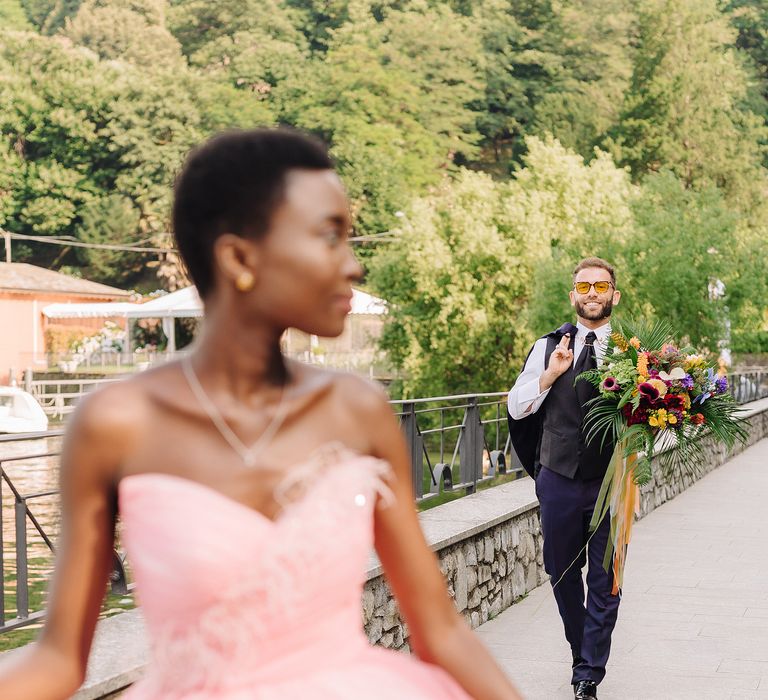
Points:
(54, 666)
(438, 633)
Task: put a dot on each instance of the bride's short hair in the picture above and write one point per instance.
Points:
(233, 184)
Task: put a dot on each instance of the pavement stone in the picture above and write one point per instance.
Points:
(693, 621)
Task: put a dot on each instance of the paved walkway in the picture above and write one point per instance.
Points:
(693, 623)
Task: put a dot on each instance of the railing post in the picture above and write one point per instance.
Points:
(28, 380)
(22, 583)
(2, 554)
(415, 445)
(471, 448)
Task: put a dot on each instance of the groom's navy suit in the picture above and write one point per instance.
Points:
(550, 442)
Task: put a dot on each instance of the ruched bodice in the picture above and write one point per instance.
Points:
(241, 606)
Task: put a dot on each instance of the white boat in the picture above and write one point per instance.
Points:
(20, 412)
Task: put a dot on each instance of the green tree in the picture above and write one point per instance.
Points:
(521, 65)
(12, 15)
(126, 30)
(253, 44)
(392, 99)
(77, 130)
(683, 243)
(102, 221)
(49, 15)
(566, 210)
(455, 282)
(595, 58)
(685, 108)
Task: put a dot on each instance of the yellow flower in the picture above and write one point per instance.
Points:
(642, 365)
(619, 341)
(692, 361)
(634, 342)
(661, 386)
(658, 419)
(672, 419)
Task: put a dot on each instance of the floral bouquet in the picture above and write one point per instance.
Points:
(651, 391)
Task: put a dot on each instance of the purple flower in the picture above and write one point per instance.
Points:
(687, 382)
(648, 391)
(721, 385)
(610, 384)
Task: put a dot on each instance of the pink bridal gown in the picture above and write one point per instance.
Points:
(239, 606)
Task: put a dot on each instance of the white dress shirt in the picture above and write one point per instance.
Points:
(524, 397)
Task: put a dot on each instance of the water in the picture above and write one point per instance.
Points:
(30, 475)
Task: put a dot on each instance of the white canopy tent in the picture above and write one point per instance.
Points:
(184, 303)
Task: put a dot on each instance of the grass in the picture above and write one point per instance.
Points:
(448, 496)
(39, 572)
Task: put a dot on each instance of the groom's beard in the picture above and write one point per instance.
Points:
(597, 313)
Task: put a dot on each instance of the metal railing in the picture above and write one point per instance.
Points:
(472, 428)
(58, 397)
(23, 516)
(455, 443)
(748, 385)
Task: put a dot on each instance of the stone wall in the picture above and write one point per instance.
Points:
(489, 568)
(486, 571)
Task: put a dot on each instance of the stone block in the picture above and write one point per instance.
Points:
(470, 554)
(488, 549)
(460, 586)
(375, 630)
(518, 580)
(380, 593)
(471, 578)
(495, 606)
(368, 604)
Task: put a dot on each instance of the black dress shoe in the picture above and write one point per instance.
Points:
(585, 690)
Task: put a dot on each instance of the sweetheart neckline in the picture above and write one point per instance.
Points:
(346, 454)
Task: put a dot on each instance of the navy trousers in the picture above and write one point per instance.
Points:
(566, 510)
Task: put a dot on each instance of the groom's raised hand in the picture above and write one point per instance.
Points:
(559, 361)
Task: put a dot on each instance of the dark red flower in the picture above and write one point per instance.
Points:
(648, 391)
(674, 402)
(697, 419)
(638, 415)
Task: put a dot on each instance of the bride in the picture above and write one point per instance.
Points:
(251, 487)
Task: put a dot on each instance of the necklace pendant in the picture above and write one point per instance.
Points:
(249, 459)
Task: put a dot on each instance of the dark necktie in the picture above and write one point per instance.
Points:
(586, 360)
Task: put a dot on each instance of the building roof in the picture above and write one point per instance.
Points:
(21, 277)
(184, 303)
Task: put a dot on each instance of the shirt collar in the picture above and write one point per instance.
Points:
(602, 333)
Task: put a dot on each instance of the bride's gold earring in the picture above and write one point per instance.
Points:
(245, 281)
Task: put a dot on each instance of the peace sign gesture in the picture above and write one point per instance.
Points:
(559, 362)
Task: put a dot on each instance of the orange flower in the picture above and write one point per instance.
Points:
(619, 341)
(642, 365)
(634, 341)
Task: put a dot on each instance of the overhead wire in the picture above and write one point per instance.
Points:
(135, 247)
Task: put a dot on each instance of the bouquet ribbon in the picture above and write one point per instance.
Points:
(619, 499)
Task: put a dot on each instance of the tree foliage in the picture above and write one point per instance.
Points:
(500, 140)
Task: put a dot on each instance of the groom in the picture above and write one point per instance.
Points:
(547, 428)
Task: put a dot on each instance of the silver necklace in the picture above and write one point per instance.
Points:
(247, 454)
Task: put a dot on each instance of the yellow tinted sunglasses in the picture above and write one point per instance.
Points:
(584, 287)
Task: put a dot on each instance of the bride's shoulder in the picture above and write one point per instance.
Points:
(118, 410)
(350, 390)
